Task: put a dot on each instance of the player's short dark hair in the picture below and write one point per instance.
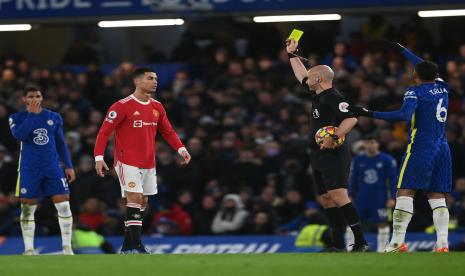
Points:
(370, 136)
(141, 71)
(30, 88)
(427, 70)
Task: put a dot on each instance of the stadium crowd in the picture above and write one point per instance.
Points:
(245, 121)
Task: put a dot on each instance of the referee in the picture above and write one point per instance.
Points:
(330, 165)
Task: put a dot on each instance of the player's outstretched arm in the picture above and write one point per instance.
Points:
(298, 67)
(403, 114)
(414, 59)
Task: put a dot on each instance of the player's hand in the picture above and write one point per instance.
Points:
(291, 45)
(100, 167)
(34, 107)
(390, 203)
(360, 111)
(70, 175)
(186, 157)
(328, 143)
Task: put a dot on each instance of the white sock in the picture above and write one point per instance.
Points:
(65, 219)
(350, 239)
(441, 221)
(28, 225)
(401, 218)
(383, 238)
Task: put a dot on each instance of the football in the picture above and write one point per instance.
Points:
(326, 132)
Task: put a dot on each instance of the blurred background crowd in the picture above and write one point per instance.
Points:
(244, 119)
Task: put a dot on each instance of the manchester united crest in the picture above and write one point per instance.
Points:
(155, 113)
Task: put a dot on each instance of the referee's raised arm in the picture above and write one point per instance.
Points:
(298, 67)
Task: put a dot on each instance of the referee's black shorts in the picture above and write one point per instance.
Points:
(331, 168)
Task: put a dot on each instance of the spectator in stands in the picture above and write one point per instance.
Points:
(231, 217)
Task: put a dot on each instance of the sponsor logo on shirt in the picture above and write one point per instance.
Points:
(343, 107)
(140, 123)
(41, 137)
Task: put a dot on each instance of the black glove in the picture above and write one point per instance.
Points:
(360, 111)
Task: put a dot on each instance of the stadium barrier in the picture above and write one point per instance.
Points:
(216, 244)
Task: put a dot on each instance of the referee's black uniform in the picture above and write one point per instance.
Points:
(330, 167)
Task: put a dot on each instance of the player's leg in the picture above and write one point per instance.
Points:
(28, 190)
(437, 201)
(56, 186)
(131, 188)
(415, 174)
(401, 217)
(149, 187)
(65, 220)
(28, 225)
(441, 183)
(384, 231)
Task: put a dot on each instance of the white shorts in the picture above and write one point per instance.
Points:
(136, 180)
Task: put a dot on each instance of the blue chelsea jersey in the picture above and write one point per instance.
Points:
(41, 137)
(373, 178)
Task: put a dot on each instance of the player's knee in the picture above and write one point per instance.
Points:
(63, 209)
(28, 211)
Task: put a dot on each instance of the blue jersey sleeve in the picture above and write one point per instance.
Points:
(353, 180)
(20, 129)
(414, 59)
(392, 176)
(404, 113)
(61, 144)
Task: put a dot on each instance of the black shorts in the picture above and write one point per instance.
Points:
(331, 168)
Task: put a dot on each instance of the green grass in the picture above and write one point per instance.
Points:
(238, 265)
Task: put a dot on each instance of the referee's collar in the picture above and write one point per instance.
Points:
(324, 91)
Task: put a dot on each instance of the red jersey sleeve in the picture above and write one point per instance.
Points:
(114, 117)
(167, 131)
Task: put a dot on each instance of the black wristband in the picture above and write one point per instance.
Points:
(304, 81)
(291, 55)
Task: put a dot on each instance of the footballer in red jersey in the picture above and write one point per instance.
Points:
(135, 121)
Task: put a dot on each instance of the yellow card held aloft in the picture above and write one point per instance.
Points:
(296, 35)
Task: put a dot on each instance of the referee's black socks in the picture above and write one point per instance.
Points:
(351, 216)
(337, 226)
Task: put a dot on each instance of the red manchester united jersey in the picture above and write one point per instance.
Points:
(135, 124)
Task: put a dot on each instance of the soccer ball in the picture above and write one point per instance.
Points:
(326, 132)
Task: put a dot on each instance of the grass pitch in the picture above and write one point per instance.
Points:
(359, 264)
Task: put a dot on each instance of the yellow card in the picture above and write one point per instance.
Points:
(296, 35)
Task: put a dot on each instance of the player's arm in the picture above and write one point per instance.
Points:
(170, 136)
(63, 151)
(114, 117)
(298, 67)
(403, 114)
(21, 129)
